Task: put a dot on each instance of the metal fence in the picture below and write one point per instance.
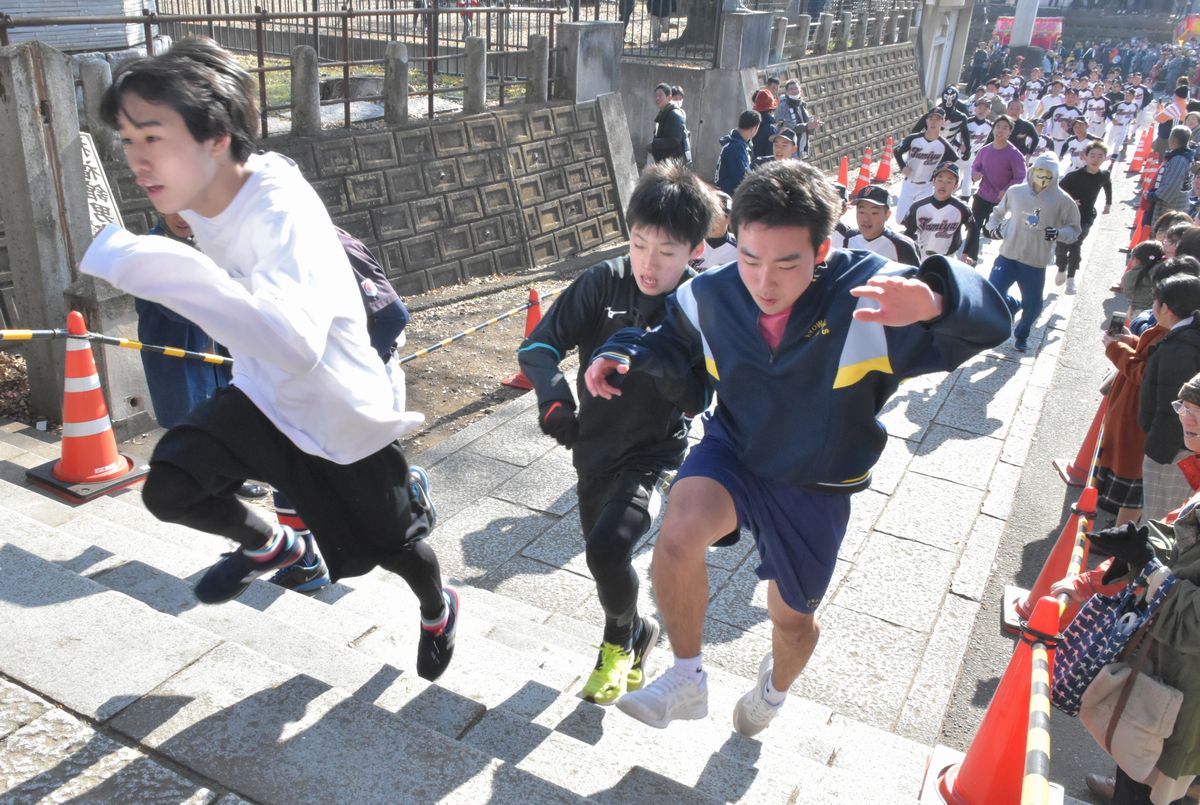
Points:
(348, 43)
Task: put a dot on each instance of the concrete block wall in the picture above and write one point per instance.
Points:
(70, 38)
(444, 201)
(863, 96)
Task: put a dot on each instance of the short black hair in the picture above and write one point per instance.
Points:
(202, 82)
(1002, 119)
(749, 119)
(1177, 231)
(1167, 220)
(677, 90)
(1185, 264)
(788, 193)
(1180, 136)
(1189, 244)
(1093, 145)
(666, 89)
(671, 198)
(1179, 292)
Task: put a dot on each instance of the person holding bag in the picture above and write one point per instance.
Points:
(1165, 554)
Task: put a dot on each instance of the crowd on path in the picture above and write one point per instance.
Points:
(744, 302)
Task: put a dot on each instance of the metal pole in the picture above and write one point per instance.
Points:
(346, 63)
(431, 62)
(262, 77)
(147, 28)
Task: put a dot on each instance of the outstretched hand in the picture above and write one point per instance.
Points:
(901, 301)
(596, 377)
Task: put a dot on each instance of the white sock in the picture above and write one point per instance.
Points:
(773, 697)
(691, 666)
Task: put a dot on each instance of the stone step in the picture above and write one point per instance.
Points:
(223, 710)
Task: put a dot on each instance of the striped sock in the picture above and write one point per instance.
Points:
(282, 540)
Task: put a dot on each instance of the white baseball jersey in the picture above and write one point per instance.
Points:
(937, 226)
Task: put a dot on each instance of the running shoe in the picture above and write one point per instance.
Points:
(303, 577)
(643, 644)
(609, 679)
(230, 576)
(753, 713)
(674, 695)
(418, 488)
(436, 646)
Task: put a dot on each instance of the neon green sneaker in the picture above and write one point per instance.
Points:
(609, 678)
(641, 650)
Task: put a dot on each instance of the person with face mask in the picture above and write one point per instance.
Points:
(1029, 219)
(794, 114)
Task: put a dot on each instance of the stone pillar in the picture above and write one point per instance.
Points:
(1023, 19)
(893, 31)
(824, 33)
(306, 92)
(591, 59)
(745, 40)
(395, 84)
(882, 23)
(845, 31)
(862, 24)
(537, 88)
(475, 77)
(44, 205)
(96, 77)
(902, 29)
(803, 23)
(778, 38)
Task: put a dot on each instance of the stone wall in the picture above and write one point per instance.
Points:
(863, 96)
(449, 200)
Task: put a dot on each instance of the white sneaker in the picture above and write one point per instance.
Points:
(1070, 289)
(674, 695)
(1060, 278)
(753, 713)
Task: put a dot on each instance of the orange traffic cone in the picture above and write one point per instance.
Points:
(844, 172)
(884, 174)
(532, 317)
(90, 465)
(864, 174)
(1139, 156)
(994, 767)
(1075, 473)
(1018, 603)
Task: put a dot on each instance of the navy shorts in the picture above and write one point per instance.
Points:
(797, 531)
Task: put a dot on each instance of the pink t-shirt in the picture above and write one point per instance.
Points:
(772, 326)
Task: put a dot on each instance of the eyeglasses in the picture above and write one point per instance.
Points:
(1182, 408)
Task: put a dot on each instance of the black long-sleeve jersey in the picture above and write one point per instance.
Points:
(643, 430)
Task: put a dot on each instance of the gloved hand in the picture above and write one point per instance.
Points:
(992, 234)
(557, 419)
(1124, 543)
(1051, 234)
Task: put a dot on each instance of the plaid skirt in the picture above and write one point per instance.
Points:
(1116, 492)
(1164, 488)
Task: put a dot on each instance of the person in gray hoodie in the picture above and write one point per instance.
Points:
(1029, 219)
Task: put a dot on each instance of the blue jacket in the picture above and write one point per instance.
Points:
(805, 414)
(734, 162)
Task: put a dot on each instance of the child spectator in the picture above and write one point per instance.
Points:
(1137, 283)
(670, 139)
(1172, 363)
(623, 449)
(842, 330)
(312, 410)
(1084, 185)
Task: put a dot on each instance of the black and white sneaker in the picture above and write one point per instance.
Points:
(436, 646)
(229, 577)
(418, 487)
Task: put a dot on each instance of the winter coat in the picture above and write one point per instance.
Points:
(1176, 630)
(1023, 216)
(762, 146)
(1172, 362)
(1124, 441)
(670, 135)
(733, 163)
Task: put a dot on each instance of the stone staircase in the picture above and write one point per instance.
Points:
(116, 686)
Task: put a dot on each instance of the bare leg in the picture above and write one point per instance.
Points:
(1126, 515)
(793, 639)
(699, 513)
